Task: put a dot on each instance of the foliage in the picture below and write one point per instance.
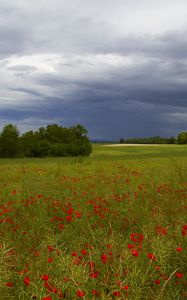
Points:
(9, 141)
(148, 140)
(182, 138)
(53, 140)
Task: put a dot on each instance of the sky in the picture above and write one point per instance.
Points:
(118, 67)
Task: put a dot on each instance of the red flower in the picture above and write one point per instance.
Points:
(78, 214)
(47, 298)
(70, 211)
(50, 259)
(116, 293)
(151, 256)
(125, 287)
(179, 275)
(45, 277)
(80, 293)
(27, 280)
(9, 284)
(134, 252)
(130, 246)
(136, 237)
(94, 274)
(84, 252)
(104, 258)
(68, 218)
(51, 248)
(179, 249)
(157, 281)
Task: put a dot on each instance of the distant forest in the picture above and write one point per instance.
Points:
(180, 139)
(53, 140)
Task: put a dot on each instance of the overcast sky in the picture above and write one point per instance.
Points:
(119, 67)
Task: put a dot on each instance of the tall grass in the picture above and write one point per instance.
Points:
(112, 226)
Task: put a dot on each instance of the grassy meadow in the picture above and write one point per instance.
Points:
(110, 226)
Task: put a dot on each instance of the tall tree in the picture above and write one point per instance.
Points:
(182, 138)
(9, 141)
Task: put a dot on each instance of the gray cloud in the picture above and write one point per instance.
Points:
(119, 69)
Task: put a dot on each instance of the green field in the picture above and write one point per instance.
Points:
(111, 226)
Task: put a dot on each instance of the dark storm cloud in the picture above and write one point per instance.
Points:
(119, 69)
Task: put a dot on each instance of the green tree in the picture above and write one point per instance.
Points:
(122, 141)
(182, 138)
(9, 141)
(79, 144)
(53, 140)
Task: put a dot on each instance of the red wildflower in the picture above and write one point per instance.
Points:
(80, 293)
(50, 248)
(157, 281)
(130, 246)
(47, 298)
(184, 230)
(137, 237)
(125, 287)
(94, 274)
(104, 258)
(84, 252)
(68, 218)
(134, 252)
(151, 256)
(50, 259)
(116, 293)
(179, 249)
(78, 214)
(70, 211)
(179, 275)
(44, 277)
(27, 280)
(9, 284)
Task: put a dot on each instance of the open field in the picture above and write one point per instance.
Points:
(111, 226)
(135, 145)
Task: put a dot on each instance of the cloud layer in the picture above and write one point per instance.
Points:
(120, 68)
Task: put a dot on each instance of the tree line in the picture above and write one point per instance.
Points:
(180, 139)
(52, 140)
